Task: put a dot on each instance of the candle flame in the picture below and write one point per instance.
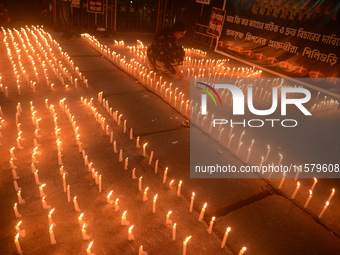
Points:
(315, 180)
(180, 183)
(17, 236)
(12, 148)
(155, 197)
(205, 205)
(51, 227)
(90, 245)
(281, 156)
(244, 248)
(213, 218)
(124, 213)
(19, 223)
(333, 190)
(310, 192)
(298, 184)
(228, 229)
(81, 215)
(146, 189)
(130, 228)
(187, 239)
(43, 185)
(170, 212)
(84, 226)
(193, 194)
(51, 211)
(117, 200)
(268, 147)
(145, 144)
(110, 193)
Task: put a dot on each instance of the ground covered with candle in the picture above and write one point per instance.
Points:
(95, 162)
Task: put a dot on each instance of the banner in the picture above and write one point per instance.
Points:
(296, 38)
(95, 6)
(216, 21)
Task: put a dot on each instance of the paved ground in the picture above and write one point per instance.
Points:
(262, 217)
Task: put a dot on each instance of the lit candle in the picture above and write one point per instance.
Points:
(225, 237)
(179, 188)
(185, 243)
(11, 151)
(309, 198)
(145, 195)
(268, 151)
(116, 205)
(296, 190)
(20, 200)
(88, 250)
(170, 184)
(64, 182)
(108, 198)
(16, 241)
(174, 232)
(131, 133)
(324, 209)
(100, 183)
(134, 174)
(36, 177)
(17, 228)
(75, 203)
(41, 190)
(52, 238)
(192, 202)
(83, 233)
(140, 183)
(242, 251)
(331, 195)
(202, 212)
(144, 153)
(50, 221)
(281, 157)
(16, 212)
(137, 142)
(123, 219)
(167, 220)
(313, 186)
(211, 225)
(130, 235)
(154, 204)
(240, 140)
(80, 219)
(165, 175)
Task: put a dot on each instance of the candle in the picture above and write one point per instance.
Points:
(154, 204)
(202, 212)
(36, 177)
(16, 187)
(185, 243)
(83, 233)
(150, 159)
(126, 163)
(115, 147)
(313, 186)
(120, 155)
(68, 194)
(242, 251)
(170, 184)
(108, 198)
(156, 166)
(50, 221)
(124, 126)
(268, 151)
(137, 142)
(116, 205)
(179, 188)
(11, 151)
(192, 202)
(225, 237)
(134, 174)
(41, 190)
(100, 183)
(211, 225)
(174, 232)
(165, 175)
(52, 238)
(331, 195)
(140, 183)
(16, 241)
(131, 133)
(16, 212)
(80, 219)
(144, 153)
(296, 190)
(167, 220)
(324, 209)
(281, 157)
(141, 251)
(17, 228)
(145, 195)
(20, 200)
(123, 219)
(130, 235)
(240, 140)
(309, 198)
(75, 203)
(64, 182)
(88, 250)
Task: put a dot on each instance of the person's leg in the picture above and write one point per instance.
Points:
(61, 15)
(66, 17)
